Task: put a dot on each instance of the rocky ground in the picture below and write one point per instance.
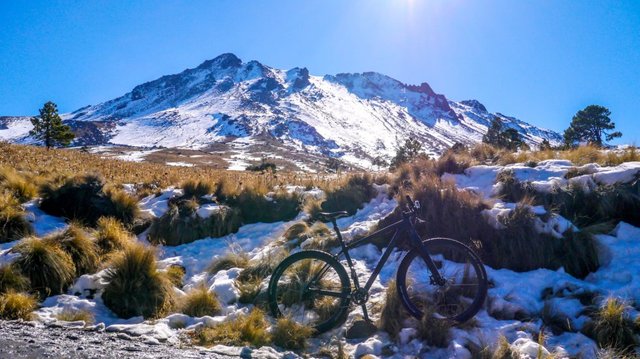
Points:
(33, 340)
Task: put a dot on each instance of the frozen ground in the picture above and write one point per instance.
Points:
(619, 274)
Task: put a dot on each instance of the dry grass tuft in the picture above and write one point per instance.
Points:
(75, 315)
(111, 235)
(612, 327)
(176, 274)
(49, 268)
(85, 198)
(249, 289)
(14, 183)
(13, 225)
(351, 196)
(250, 329)
(76, 243)
(197, 189)
(200, 302)
(136, 287)
(288, 334)
(433, 330)
(228, 261)
(392, 314)
(180, 224)
(504, 351)
(12, 280)
(320, 237)
(14, 305)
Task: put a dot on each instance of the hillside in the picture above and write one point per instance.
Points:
(569, 230)
(244, 111)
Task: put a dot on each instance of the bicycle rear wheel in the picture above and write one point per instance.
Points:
(464, 289)
(312, 288)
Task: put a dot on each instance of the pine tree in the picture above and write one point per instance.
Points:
(494, 133)
(590, 125)
(407, 152)
(496, 136)
(49, 129)
(545, 145)
(511, 139)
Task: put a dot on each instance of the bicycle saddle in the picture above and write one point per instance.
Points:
(328, 216)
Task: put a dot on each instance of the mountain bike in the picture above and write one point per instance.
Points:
(439, 276)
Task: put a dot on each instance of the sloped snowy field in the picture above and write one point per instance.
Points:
(619, 274)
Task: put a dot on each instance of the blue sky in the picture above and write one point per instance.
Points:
(540, 61)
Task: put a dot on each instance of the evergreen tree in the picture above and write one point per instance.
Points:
(494, 133)
(497, 137)
(545, 145)
(407, 152)
(49, 129)
(590, 125)
(511, 139)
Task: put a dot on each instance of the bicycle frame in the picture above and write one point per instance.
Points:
(405, 224)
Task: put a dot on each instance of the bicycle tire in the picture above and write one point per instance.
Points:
(413, 305)
(342, 304)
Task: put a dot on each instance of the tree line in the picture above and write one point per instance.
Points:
(591, 125)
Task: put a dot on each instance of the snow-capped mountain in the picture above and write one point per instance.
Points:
(227, 104)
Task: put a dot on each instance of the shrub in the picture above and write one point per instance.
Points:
(180, 224)
(16, 184)
(251, 329)
(13, 225)
(75, 315)
(49, 269)
(77, 244)
(612, 327)
(135, 287)
(288, 334)
(14, 305)
(111, 235)
(85, 198)
(200, 302)
(197, 189)
(350, 197)
(12, 280)
(176, 274)
(228, 261)
(392, 314)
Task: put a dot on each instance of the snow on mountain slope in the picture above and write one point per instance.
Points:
(352, 116)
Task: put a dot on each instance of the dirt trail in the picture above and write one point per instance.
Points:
(30, 340)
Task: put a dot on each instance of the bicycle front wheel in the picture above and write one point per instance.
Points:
(312, 288)
(463, 291)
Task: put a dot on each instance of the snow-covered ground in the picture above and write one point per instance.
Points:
(512, 292)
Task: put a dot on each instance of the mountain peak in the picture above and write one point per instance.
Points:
(224, 61)
(475, 104)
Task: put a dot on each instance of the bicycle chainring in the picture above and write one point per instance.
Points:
(359, 296)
